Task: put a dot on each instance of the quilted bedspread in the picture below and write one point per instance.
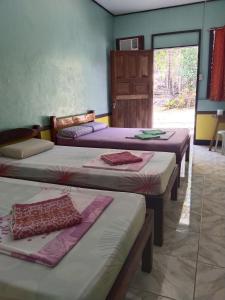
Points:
(64, 165)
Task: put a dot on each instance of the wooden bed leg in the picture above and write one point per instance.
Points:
(174, 189)
(158, 223)
(157, 205)
(187, 153)
(178, 179)
(147, 256)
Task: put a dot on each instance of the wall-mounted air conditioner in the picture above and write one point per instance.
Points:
(130, 43)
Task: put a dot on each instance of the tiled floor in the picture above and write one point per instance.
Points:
(191, 263)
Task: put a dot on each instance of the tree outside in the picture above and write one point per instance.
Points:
(175, 76)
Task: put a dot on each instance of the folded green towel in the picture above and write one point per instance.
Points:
(147, 136)
(154, 131)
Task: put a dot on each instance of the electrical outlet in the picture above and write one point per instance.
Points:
(200, 77)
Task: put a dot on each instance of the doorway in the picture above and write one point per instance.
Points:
(175, 86)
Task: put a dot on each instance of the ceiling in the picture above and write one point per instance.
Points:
(118, 7)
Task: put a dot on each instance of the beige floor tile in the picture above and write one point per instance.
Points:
(212, 250)
(213, 207)
(217, 196)
(171, 277)
(214, 183)
(213, 225)
(190, 198)
(182, 218)
(214, 190)
(210, 283)
(200, 204)
(179, 244)
(134, 294)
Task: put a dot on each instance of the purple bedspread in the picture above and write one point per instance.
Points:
(115, 138)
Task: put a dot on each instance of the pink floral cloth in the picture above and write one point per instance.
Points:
(120, 158)
(99, 163)
(43, 217)
(49, 249)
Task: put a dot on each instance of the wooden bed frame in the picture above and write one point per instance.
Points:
(68, 121)
(157, 203)
(17, 134)
(142, 250)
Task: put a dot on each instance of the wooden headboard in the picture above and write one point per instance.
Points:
(13, 135)
(68, 121)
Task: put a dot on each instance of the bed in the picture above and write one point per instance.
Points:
(119, 138)
(99, 266)
(157, 180)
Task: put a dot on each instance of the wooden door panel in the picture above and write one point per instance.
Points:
(127, 111)
(131, 87)
(118, 113)
(140, 88)
(134, 111)
(123, 88)
(120, 70)
(144, 66)
(139, 113)
(132, 67)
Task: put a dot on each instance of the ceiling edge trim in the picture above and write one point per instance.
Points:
(149, 10)
(109, 12)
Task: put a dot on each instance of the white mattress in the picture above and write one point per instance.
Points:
(90, 268)
(64, 165)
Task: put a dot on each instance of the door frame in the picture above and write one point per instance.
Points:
(198, 44)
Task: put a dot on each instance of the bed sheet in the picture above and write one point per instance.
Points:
(88, 271)
(116, 138)
(64, 165)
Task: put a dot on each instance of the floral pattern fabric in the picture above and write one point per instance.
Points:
(64, 165)
(48, 247)
(88, 271)
(43, 217)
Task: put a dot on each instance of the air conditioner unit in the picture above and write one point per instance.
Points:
(129, 44)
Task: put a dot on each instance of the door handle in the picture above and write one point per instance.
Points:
(114, 105)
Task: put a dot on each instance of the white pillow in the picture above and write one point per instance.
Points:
(26, 148)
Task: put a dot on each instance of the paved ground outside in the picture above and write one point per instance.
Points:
(173, 118)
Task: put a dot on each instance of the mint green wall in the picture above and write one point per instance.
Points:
(54, 54)
(53, 59)
(176, 40)
(178, 19)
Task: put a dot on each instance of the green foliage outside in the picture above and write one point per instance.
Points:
(176, 75)
(189, 62)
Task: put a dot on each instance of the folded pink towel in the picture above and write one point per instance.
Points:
(43, 217)
(120, 158)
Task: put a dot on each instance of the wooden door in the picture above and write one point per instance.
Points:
(131, 88)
